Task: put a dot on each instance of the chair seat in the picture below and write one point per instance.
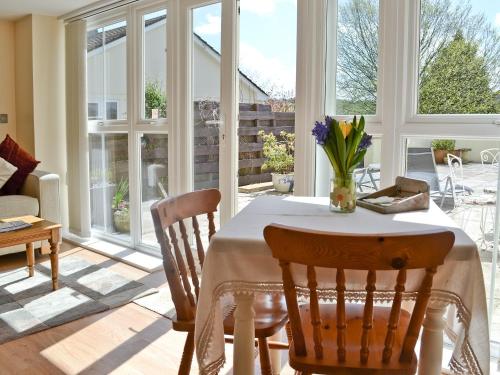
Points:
(271, 316)
(354, 321)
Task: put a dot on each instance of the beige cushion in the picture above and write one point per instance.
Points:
(18, 205)
(6, 171)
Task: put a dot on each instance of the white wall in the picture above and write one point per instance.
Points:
(7, 77)
(24, 84)
(49, 105)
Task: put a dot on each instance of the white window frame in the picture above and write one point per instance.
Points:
(140, 12)
(414, 125)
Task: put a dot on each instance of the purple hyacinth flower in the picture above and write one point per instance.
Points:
(320, 131)
(365, 142)
(328, 121)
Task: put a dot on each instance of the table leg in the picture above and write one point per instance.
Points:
(276, 354)
(244, 335)
(54, 259)
(30, 256)
(431, 346)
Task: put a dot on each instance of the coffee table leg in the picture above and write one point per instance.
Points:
(54, 258)
(30, 256)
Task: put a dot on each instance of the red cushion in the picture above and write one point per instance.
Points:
(25, 163)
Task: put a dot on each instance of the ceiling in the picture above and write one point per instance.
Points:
(14, 9)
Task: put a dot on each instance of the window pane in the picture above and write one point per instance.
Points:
(463, 178)
(459, 57)
(267, 70)
(109, 193)
(352, 56)
(107, 72)
(155, 61)
(154, 180)
(206, 98)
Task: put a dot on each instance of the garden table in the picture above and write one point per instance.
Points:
(239, 264)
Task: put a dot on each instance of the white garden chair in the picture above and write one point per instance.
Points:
(490, 157)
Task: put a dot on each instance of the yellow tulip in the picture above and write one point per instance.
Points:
(345, 127)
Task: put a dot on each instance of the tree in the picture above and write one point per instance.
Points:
(456, 81)
(357, 41)
(155, 98)
(357, 57)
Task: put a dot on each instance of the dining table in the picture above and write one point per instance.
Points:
(239, 264)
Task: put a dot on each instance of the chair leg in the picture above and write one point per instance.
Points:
(265, 359)
(187, 355)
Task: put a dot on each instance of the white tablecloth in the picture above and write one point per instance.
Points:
(238, 260)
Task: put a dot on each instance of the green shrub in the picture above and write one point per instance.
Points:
(279, 153)
(443, 144)
(155, 98)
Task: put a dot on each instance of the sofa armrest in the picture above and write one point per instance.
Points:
(44, 186)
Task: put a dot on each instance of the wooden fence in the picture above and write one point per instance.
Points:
(253, 118)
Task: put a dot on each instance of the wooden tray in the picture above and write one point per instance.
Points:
(410, 194)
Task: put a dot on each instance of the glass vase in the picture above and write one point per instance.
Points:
(343, 194)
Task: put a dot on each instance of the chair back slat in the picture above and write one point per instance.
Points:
(189, 258)
(211, 225)
(182, 305)
(417, 316)
(165, 214)
(181, 265)
(341, 324)
(293, 309)
(425, 250)
(367, 315)
(199, 244)
(394, 316)
(315, 317)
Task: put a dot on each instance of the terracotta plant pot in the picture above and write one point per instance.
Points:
(439, 156)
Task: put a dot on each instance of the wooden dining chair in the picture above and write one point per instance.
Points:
(347, 338)
(172, 215)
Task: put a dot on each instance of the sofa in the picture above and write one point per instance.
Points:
(39, 196)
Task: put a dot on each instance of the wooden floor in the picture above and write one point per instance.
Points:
(126, 340)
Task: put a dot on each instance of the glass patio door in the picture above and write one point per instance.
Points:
(211, 87)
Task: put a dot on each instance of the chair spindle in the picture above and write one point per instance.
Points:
(341, 324)
(315, 315)
(189, 257)
(417, 316)
(367, 315)
(211, 225)
(293, 309)
(181, 265)
(393, 323)
(182, 306)
(199, 244)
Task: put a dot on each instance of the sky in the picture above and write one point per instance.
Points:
(268, 31)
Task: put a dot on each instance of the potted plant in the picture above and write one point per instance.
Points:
(441, 148)
(345, 144)
(279, 158)
(120, 206)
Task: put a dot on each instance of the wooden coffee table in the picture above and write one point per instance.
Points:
(39, 231)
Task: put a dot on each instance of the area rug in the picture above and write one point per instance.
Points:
(28, 304)
(160, 303)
